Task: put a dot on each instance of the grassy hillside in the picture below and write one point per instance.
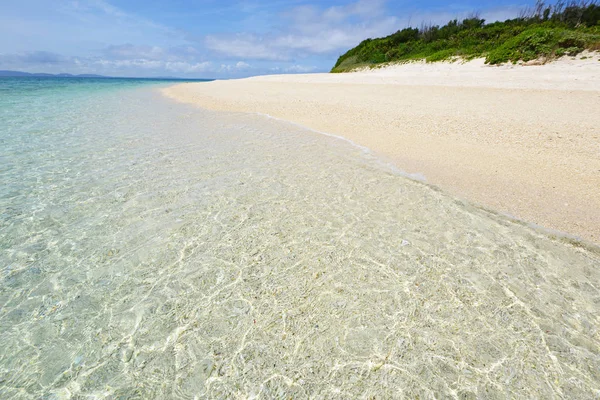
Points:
(544, 31)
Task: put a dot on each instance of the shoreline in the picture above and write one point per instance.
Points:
(533, 154)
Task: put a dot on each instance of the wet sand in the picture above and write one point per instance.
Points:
(522, 140)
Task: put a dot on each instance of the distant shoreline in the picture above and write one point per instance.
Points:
(520, 140)
(21, 74)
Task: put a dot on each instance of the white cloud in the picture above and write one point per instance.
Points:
(309, 30)
(55, 63)
(185, 67)
(92, 10)
(237, 67)
(334, 39)
(170, 66)
(245, 46)
(299, 69)
(33, 58)
(130, 51)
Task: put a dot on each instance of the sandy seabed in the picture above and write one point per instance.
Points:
(197, 254)
(522, 140)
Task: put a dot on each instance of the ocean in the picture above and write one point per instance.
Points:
(151, 249)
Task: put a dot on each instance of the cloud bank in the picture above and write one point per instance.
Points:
(96, 36)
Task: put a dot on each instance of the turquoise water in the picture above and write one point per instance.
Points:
(150, 249)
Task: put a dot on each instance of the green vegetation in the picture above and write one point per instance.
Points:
(546, 31)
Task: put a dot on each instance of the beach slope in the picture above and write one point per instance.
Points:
(522, 140)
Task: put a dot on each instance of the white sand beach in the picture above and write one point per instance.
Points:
(522, 140)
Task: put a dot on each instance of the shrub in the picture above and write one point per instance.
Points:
(591, 16)
(547, 31)
(529, 45)
(442, 55)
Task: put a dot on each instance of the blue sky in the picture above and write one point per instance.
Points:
(208, 38)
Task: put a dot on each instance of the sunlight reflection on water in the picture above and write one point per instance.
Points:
(150, 249)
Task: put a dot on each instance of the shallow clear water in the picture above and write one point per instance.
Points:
(153, 250)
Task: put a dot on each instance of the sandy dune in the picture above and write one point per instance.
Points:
(523, 140)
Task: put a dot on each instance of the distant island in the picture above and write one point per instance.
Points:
(24, 74)
(6, 73)
(544, 32)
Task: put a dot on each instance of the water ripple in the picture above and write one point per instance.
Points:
(152, 250)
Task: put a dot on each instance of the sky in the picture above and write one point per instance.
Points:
(209, 38)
